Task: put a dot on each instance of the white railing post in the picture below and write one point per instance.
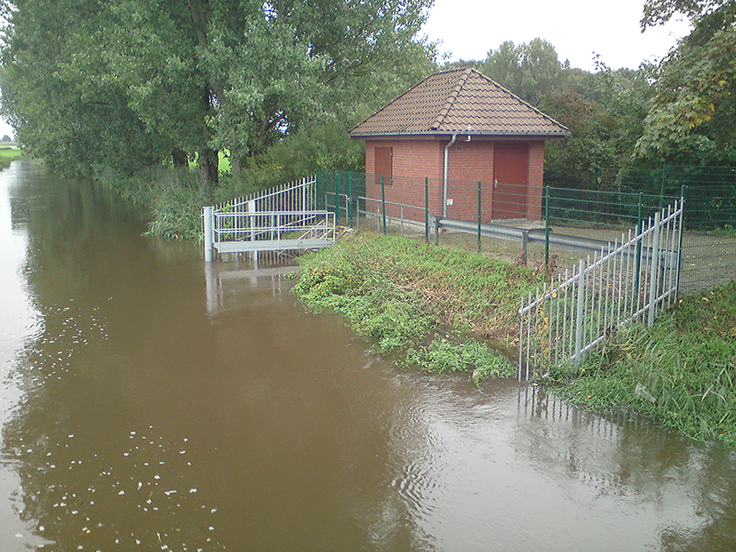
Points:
(654, 278)
(250, 208)
(207, 216)
(579, 314)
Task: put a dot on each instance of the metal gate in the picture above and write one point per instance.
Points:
(630, 281)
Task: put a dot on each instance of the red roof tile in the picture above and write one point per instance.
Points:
(459, 102)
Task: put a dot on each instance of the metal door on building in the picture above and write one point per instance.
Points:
(510, 176)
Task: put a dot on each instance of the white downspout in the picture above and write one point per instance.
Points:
(444, 187)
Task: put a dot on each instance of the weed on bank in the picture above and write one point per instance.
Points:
(432, 307)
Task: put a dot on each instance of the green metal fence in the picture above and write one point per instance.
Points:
(710, 192)
(709, 242)
(338, 191)
(559, 224)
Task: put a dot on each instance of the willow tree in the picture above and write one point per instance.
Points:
(134, 82)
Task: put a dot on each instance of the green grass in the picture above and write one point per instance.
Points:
(8, 154)
(432, 307)
(680, 373)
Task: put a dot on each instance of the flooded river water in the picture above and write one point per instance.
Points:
(149, 402)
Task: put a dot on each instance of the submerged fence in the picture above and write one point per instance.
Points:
(577, 311)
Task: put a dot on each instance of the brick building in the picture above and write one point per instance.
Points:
(458, 128)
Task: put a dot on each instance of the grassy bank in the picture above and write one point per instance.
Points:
(681, 373)
(7, 155)
(443, 310)
(431, 307)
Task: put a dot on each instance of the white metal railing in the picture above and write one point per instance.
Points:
(577, 311)
(271, 225)
(285, 217)
(300, 195)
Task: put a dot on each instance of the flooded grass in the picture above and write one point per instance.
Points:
(680, 373)
(437, 308)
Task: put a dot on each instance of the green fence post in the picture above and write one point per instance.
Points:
(350, 199)
(546, 226)
(661, 190)
(638, 243)
(383, 203)
(479, 215)
(426, 209)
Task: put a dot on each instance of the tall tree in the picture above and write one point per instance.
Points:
(531, 70)
(692, 114)
(60, 94)
(197, 76)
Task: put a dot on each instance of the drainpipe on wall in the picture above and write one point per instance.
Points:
(444, 187)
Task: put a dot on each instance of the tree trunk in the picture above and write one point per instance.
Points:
(208, 168)
(180, 158)
(235, 167)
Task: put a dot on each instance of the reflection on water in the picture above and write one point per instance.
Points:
(154, 402)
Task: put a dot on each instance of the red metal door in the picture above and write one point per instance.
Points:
(510, 173)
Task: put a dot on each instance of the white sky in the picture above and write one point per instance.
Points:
(577, 29)
(5, 128)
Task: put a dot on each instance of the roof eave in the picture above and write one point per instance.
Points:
(500, 134)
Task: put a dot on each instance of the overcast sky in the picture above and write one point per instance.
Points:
(577, 29)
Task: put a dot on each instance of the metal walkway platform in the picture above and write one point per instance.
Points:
(270, 245)
(228, 232)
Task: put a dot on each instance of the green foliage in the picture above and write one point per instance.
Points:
(695, 101)
(320, 146)
(530, 70)
(60, 95)
(445, 354)
(604, 110)
(398, 293)
(135, 83)
(681, 373)
(173, 198)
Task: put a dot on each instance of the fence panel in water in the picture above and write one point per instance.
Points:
(579, 310)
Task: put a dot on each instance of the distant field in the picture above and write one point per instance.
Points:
(8, 152)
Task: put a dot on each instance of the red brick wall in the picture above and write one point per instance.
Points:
(413, 161)
(469, 162)
(535, 190)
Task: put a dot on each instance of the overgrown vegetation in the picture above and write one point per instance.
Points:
(432, 307)
(446, 310)
(680, 373)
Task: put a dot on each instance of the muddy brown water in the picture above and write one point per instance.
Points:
(150, 402)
